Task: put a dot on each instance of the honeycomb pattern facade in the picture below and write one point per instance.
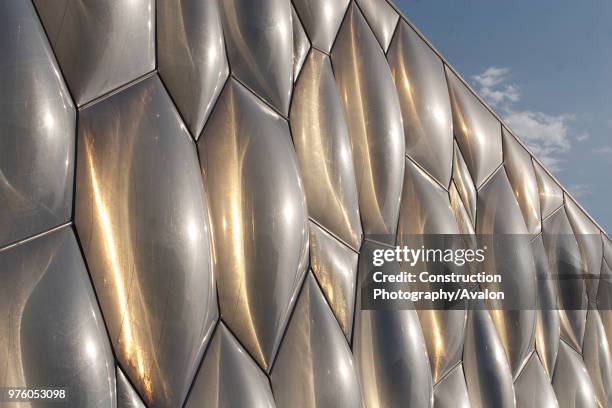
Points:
(187, 186)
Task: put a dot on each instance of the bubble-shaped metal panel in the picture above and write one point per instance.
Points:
(314, 367)
(533, 389)
(301, 45)
(571, 382)
(523, 180)
(228, 377)
(321, 19)
(451, 391)
(192, 61)
(551, 195)
(259, 38)
(335, 267)
(382, 19)
(141, 215)
(464, 184)
(51, 331)
(38, 125)
(324, 152)
(374, 122)
(259, 219)
(597, 359)
(428, 127)
(100, 45)
(478, 132)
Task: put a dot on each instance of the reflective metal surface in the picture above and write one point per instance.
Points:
(321, 19)
(51, 331)
(533, 388)
(464, 184)
(259, 219)
(228, 377)
(551, 195)
(477, 131)
(100, 45)
(421, 85)
(519, 169)
(597, 359)
(301, 45)
(335, 267)
(451, 391)
(571, 381)
(374, 122)
(314, 367)
(191, 57)
(141, 215)
(323, 148)
(37, 125)
(126, 396)
(382, 19)
(259, 40)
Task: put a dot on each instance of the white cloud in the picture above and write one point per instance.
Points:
(603, 150)
(548, 136)
(580, 190)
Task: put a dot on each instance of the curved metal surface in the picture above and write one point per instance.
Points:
(519, 169)
(259, 39)
(421, 85)
(533, 389)
(51, 331)
(464, 184)
(547, 319)
(551, 195)
(228, 377)
(487, 373)
(382, 18)
(390, 352)
(511, 259)
(335, 267)
(321, 19)
(38, 126)
(571, 381)
(374, 122)
(314, 367)
(301, 45)
(478, 132)
(100, 45)
(127, 397)
(425, 209)
(141, 215)
(464, 223)
(597, 359)
(323, 148)
(191, 57)
(259, 218)
(451, 391)
(564, 261)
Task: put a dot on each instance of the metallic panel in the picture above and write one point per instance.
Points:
(425, 209)
(547, 319)
(551, 195)
(374, 122)
(487, 374)
(423, 95)
(126, 395)
(259, 218)
(382, 19)
(597, 359)
(335, 267)
(523, 181)
(451, 391)
(499, 214)
(464, 223)
(478, 132)
(464, 184)
(314, 367)
(37, 124)
(533, 389)
(51, 331)
(323, 147)
(589, 241)
(100, 45)
(191, 52)
(228, 377)
(301, 45)
(141, 215)
(571, 381)
(564, 260)
(259, 38)
(321, 19)
(390, 352)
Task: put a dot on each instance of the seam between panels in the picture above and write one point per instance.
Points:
(34, 236)
(332, 234)
(268, 105)
(117, 90)
(428, 174)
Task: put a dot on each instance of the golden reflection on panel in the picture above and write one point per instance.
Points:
(551, 195)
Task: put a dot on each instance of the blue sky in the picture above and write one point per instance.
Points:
(546, 67)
